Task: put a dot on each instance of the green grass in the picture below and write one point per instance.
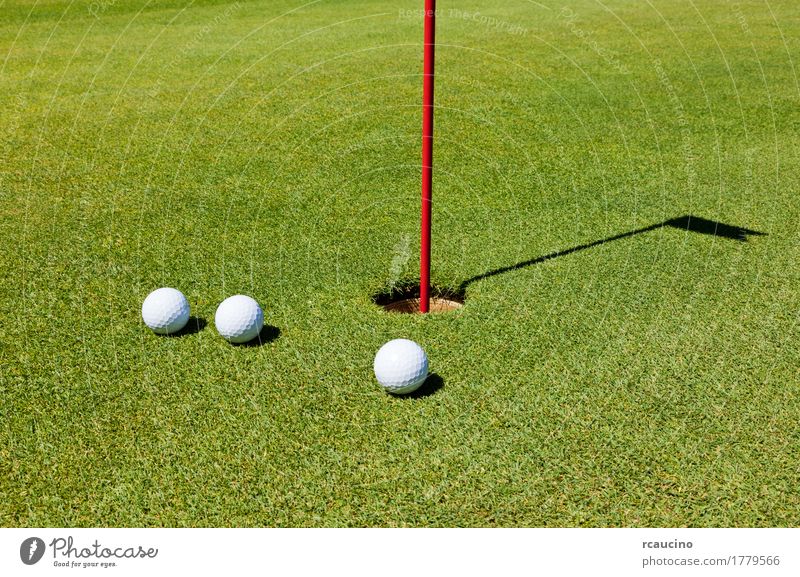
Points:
(272, 148)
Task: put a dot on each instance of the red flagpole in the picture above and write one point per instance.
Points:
(427, 157)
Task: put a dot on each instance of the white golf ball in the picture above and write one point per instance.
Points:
(401, 366)
(165, 311)
(239, 319)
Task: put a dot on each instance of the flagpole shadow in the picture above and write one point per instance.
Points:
(687, 222)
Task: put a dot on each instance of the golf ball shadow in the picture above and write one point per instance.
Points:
(433, 384)
(267, 334)
(193, 326)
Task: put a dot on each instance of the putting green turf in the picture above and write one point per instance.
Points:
(272, 149)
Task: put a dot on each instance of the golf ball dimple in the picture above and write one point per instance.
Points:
(239, 319)
(401, 366)
(165, 311)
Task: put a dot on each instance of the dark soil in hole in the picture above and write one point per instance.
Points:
(405, 299)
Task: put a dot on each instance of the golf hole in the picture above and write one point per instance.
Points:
(405, 299)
